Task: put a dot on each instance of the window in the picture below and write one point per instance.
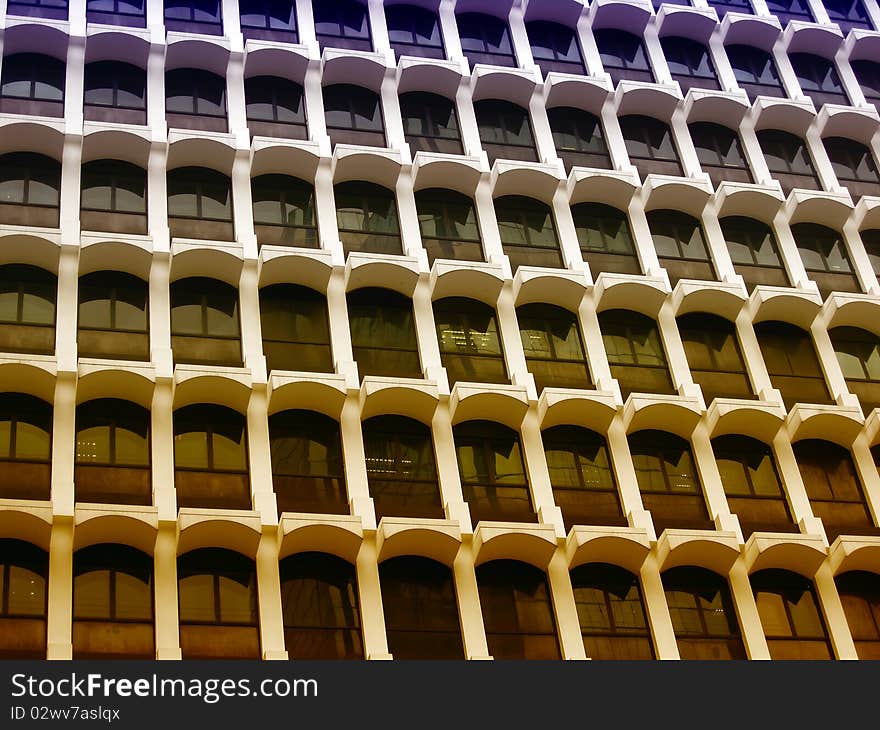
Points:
(112, 603)
(113, 317)
(113, 197)
(871, 242)
(848, 14)
(755, 71)
(605, 239)
(194, 16)
(30, 190)
(269, 20)
(383, 333)
(853, 165)
(650, 145)
(752, 248)
(505, 131)
(825, 258)
(723, 7)
(296, 329)
(860, 595)
(210, 458)
(319, 605)
(217, 594)
(611, 612)
(401, 471)
(200, 204)
(353, 115)
(528, 233)
(555, 47)
(868, 75)
(414, 31)
(116, 12)
(818, 79)
(493, 475)
(49, 9)
(115, 92)
(342, 24)
(27, 309)
(858, 353)
(421, 612)
(485, 39)
(623, 55)
(366, 215)
(112, 453)
(713, 354)
(668, 480)
(430, 123)
(517, 611)
(284, 211)
(690, 63)
(702, 613)
(448, 224)
(204, 322)
(751, 483)
(582, 477)
(834, 489)
(25, 447)
(470, 342)
(720, 153)
(635, 352)
(681, 249)
(788, 160)
(789, 611)
(307, 469)
(578, 138)
(32, 84)
(792, 363)
(195, 99)
(787, 10)
(275, 107)
(24, 577)
(554, 350)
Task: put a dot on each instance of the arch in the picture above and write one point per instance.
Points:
(702, 612)
(790, 614)
(613, 621)
(515, 634)
(319, 604)
(421, 611)
(401, 467)
(217, 595)
(211, 457)
(24, 605)
(307, 463)
(112, 603)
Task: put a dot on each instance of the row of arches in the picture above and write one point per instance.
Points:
(307, 451)
(205, 329)
(113, 608)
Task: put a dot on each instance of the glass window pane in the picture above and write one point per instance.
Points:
(93, 445)
(191, 450)
(196, 595)
(134, 599)
(27, 592)
(91, 595)
(31, 442)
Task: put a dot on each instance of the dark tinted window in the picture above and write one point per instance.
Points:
(555, 47)
(755, 71)
(470, 341)
(623, 55)
(383, 334)
(485, 39)
(414, 31)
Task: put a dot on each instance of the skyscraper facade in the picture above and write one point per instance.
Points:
(533, 329)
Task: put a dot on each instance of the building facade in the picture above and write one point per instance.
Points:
(452, 329)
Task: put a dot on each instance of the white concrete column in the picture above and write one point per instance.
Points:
(710, 479)
(232, 23)
(675, 355)
(538, 473)
(59, 615)
(162, 453)
(426, 334)
(260, 458)
(564, 608)
(566, 231)
(470, 614)
(625, 476)
(643, 241)
(449, 30)
(832, 610)
(519, 38)
(747, 612)
(156, 81)
(861, 264)
(251, 330)
(356, 467)
(409, 219)
(687, 153)
(657, 611)
(716, 245)
(157, 199)
(236, 103)
(541, 127)
(793, 484)
(73, 77)
(305, 27)
(868, 477)
(71, 176)
(447, 472)
(752, 357)
(379, 28)
(488, 223)
(165, 599)
(370, 596)
(511, 340)
(242, 203)
(269, 597)
(394, 135)
(721, 63)
(654, 51)
(325, 211)
(467, 121)
(66, 308)
(340, 334)
(788, 252)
